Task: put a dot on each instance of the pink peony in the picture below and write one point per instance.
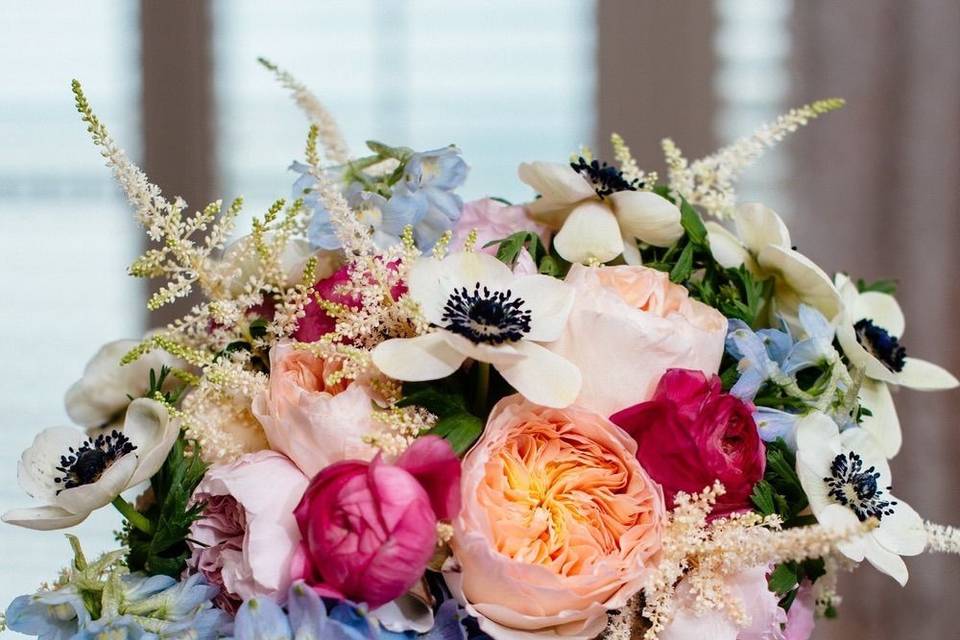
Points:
(247, 536)
(493, 220)
(800, 618)
(310, 417)
(691, 434)
(627, 327)
(369, 529)
(559, 523)
(760, 605)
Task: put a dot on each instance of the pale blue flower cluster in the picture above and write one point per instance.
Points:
(775, 356)
(422, 197)
(139, 608)
(307, 618)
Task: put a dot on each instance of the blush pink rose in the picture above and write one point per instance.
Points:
(310, 417)
(247, 536)
(628, 326)
(691, 434)
(760, 605)
(370, 528)
(559, 523)
(493, 220)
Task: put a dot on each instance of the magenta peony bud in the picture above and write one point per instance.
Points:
(369, 528)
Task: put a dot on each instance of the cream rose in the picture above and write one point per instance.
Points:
(309, 417)
(558, 523)
(630, 324)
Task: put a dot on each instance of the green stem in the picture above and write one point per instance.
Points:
(482, 389)
(133, 516)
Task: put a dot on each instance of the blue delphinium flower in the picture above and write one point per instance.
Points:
(48, 615)
(759, 356)
(423, 198)
(816, 349)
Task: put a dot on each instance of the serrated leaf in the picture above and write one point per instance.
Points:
(461, 430)
(762, 498)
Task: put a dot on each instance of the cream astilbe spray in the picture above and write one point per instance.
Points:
(708, 182)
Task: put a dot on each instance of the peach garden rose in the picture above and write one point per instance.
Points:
(558, 522)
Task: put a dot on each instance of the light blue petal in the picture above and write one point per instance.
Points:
(139, 586)
(439, 168)
(777, 343)
(773, 424)
(307, 613)
(805, 354)
(448, 203)
(447, 625)
(429, 230)
(815, 324)
(261, 619)
(403, 208)
(748, 384)
(321, 233)
(51, 615)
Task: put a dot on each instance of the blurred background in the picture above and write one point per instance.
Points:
(872, 189)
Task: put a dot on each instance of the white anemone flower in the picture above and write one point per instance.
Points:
(74, 474)
(485, 312)
(847, 479)
(598, 213)
(762, 244)
(869, 332)
(104, 391)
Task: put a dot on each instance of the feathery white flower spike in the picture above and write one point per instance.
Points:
(598, 221)
(762, 244)
(75, 474)
(869, 332)
(847, 478)
(485, 312)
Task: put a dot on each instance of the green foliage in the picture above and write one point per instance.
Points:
(880, 286)
(164, 550)
(548, 262)
(786, 578)
(455, 423)
(157, 383)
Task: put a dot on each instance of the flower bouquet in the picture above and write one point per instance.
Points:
(607, 412)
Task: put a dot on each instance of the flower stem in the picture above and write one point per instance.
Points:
(133, 516)
(482, 389)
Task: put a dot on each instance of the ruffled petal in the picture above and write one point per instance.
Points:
(426, 357)
(648, 217)
(542, 376)
(591, 232)
(549, 301)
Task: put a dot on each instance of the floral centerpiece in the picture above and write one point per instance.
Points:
(628, 408)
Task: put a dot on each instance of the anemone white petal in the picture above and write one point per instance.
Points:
(799, 280)
(89, 497)
(426, 357)
(880, 308)
(467, 268)
(885, 561)
(725, 247)
(481, 351)
(549, 301)
(840, 518)
(882, 423)
(46, 518)
(869, 449)
(591, 232)
(149, 427)
(759, 226)
(430, 284)
(542, 376)
(647, 216)
(37, 468)
(901, 532)
(925, 376)
(559, 186)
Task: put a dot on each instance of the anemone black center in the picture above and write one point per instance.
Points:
(855, 487)
(606, 180)
(884, 347)
(482, 315)
(86, 463)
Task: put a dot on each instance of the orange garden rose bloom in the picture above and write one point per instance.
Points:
(627, 327)
(310, 421)
(558, 522)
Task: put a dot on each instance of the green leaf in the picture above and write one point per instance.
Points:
(880, 286)
(438, 401)
(762, 497)
(684, 267)
(461, 430)
(783, 578)
(509, 248)
(692, 223)
(550, 266)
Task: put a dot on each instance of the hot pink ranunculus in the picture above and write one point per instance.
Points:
(750, 588)
(247, 536)
(493, 220)
(309, 415)
(691, 434)
(369, 528)
(559, 523)
(627, 327)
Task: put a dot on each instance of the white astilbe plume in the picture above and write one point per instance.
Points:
(628, 165)
(942, 539)
(328, 132)
(704, 553)
(708, 182)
